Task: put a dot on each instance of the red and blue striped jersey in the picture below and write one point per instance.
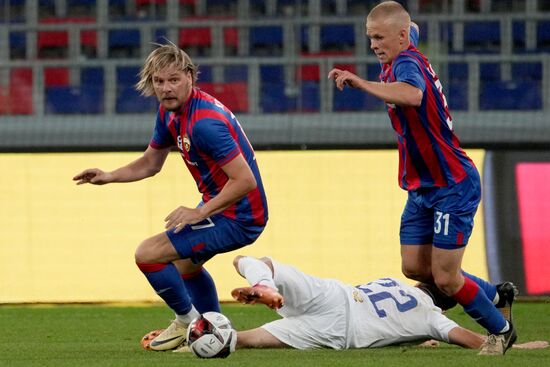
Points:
(208, 136)
(429, 152)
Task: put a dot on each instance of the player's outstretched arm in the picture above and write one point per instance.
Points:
(398, 93)
(466, 338)
(149, 164)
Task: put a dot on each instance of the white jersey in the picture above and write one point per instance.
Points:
(320, 313)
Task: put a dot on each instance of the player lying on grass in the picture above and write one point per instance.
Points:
(326, 313)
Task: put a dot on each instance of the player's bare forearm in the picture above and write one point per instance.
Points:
(398, 93)
(149, 164)
(466, 338)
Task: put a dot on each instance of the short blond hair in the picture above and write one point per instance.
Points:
(163, 56)
(391, 11)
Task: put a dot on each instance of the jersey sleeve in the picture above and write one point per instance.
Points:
(414, 36)
(213, 137)
(161, 135)
(407, 70)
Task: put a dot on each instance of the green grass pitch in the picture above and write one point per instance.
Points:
(92, 335)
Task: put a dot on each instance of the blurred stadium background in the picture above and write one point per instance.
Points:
(67, 71)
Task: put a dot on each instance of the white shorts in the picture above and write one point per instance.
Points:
(314, 314)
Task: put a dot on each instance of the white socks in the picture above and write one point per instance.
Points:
(187, 318)
(256, 272)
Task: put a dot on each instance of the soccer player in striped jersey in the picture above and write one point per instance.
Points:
(443, 183)
(233, 210)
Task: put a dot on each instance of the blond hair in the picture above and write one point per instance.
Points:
(164, 56)
(391, 11)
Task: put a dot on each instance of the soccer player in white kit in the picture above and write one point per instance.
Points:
(326, 313)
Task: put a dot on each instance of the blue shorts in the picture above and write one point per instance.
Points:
(214, 235)
(442, 216)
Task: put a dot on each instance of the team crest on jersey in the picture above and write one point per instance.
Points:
(186, 143)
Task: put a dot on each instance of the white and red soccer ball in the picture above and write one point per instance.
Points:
(211, 335)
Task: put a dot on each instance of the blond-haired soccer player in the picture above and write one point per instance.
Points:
(443, 184)
(233, 211)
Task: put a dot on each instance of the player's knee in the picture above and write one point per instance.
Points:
(416, 274)
(144, 254)
(447, 283)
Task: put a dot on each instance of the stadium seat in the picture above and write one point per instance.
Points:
(56, 77)
(127, 75)
(543, 36)
(337, 37)
(129, 100)
(233, 95)
(510, 95)
(272, 74)
(309, 97)
(17, 45)
(349, 99)
(457, 71)
(235, 73)
(266, 41)
(17, 97)
(86, 99)
(457, 94)
(482, 37)
(205, 73)
(527, 71)
(489, 71)
(311, 72)
(275, 98)
(124, 43)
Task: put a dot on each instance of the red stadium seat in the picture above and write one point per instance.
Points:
(56, 77)
(233, 95)
(310, 72)
(17, 98)
(202, 36)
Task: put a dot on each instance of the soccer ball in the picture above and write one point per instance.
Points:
(211, 335)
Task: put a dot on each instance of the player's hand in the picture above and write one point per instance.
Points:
(342, 78)
(182, 216)
(93, 176)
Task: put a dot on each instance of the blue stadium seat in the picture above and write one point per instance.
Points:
(457, 71)
(205, 73)
(543, 36)
(527, 71)
(272, 74)
(510, 95)
(266, 41)
(92, 76)
(124, 38)
(309, 96)
(235, 73)
(88, 99)
(518, 36)
(349, 100)
(129, 100)
(17, 41)
(337, 36)
(124, 43)
(127, 75)
(274, 99)
(457, 94)
(489, 71)
(482, 37)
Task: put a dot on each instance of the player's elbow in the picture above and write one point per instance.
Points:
(249, 183)
(415, 98)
